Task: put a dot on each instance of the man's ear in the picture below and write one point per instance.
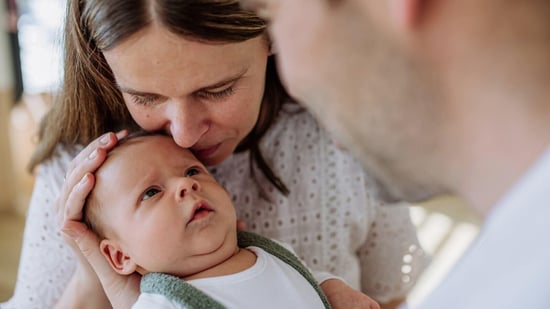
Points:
(406, 14)
(118, 260)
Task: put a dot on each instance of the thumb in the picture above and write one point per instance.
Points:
(122, 291)
(88, 243)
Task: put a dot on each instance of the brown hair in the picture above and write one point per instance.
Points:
(90, 104)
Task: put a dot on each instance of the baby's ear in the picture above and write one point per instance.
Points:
(119, 261)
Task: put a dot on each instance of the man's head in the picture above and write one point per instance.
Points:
(159, 210)
(404, 84)
(345, 61)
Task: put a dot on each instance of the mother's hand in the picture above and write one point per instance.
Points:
(93, 269)
(79, 179)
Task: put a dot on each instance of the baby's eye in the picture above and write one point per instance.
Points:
(192, 172)
(149, 193)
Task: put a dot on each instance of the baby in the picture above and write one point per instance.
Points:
(161, 214)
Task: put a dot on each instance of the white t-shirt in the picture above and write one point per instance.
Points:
(269, 283)
(508, 265)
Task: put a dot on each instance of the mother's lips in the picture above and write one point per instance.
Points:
(205, 152)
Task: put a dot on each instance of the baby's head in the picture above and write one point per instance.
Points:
(158, 209)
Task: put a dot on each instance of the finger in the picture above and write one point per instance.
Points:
(88, 160)
(121, 134)
(88, 243)
(106, 141)
(72, 187)
(123, 291)
(241, 226)
(75, 202)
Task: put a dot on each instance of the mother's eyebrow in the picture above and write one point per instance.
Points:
(135, 92)
(218, 84)
(227, 80)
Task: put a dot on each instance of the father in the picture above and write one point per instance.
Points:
(439, 97)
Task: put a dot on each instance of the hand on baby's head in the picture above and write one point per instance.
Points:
(155, 203)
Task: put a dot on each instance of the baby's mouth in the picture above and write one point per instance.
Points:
(200, 210)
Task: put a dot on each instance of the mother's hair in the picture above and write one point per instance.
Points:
(90, 104)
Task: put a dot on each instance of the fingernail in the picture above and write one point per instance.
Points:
(93, 154)
(105, 139)
(122, 133)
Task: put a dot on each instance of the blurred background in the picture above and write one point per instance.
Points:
(30, 73)
(30, 58)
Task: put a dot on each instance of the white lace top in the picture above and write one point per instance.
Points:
(331, 217)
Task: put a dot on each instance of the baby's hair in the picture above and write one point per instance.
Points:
(91, 209)
(139, 133)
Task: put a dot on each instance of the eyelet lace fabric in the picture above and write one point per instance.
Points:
(46, 263)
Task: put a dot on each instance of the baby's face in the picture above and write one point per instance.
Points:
(165, 210)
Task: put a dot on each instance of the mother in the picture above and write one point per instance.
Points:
(202, 71)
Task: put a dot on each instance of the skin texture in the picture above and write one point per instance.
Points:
(208, 100)
(415, 96)
(147, 200)
(93, 274)
(357, 83)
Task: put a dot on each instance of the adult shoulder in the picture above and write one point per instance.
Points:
(54, 168)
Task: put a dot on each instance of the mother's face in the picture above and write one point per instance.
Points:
(206, 96)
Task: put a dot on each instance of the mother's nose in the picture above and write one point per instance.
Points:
(188, 125)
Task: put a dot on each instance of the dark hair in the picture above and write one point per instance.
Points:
(90, 104)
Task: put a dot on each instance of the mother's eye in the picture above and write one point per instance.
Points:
(149, 193)
(144, 100)
(218, 94)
